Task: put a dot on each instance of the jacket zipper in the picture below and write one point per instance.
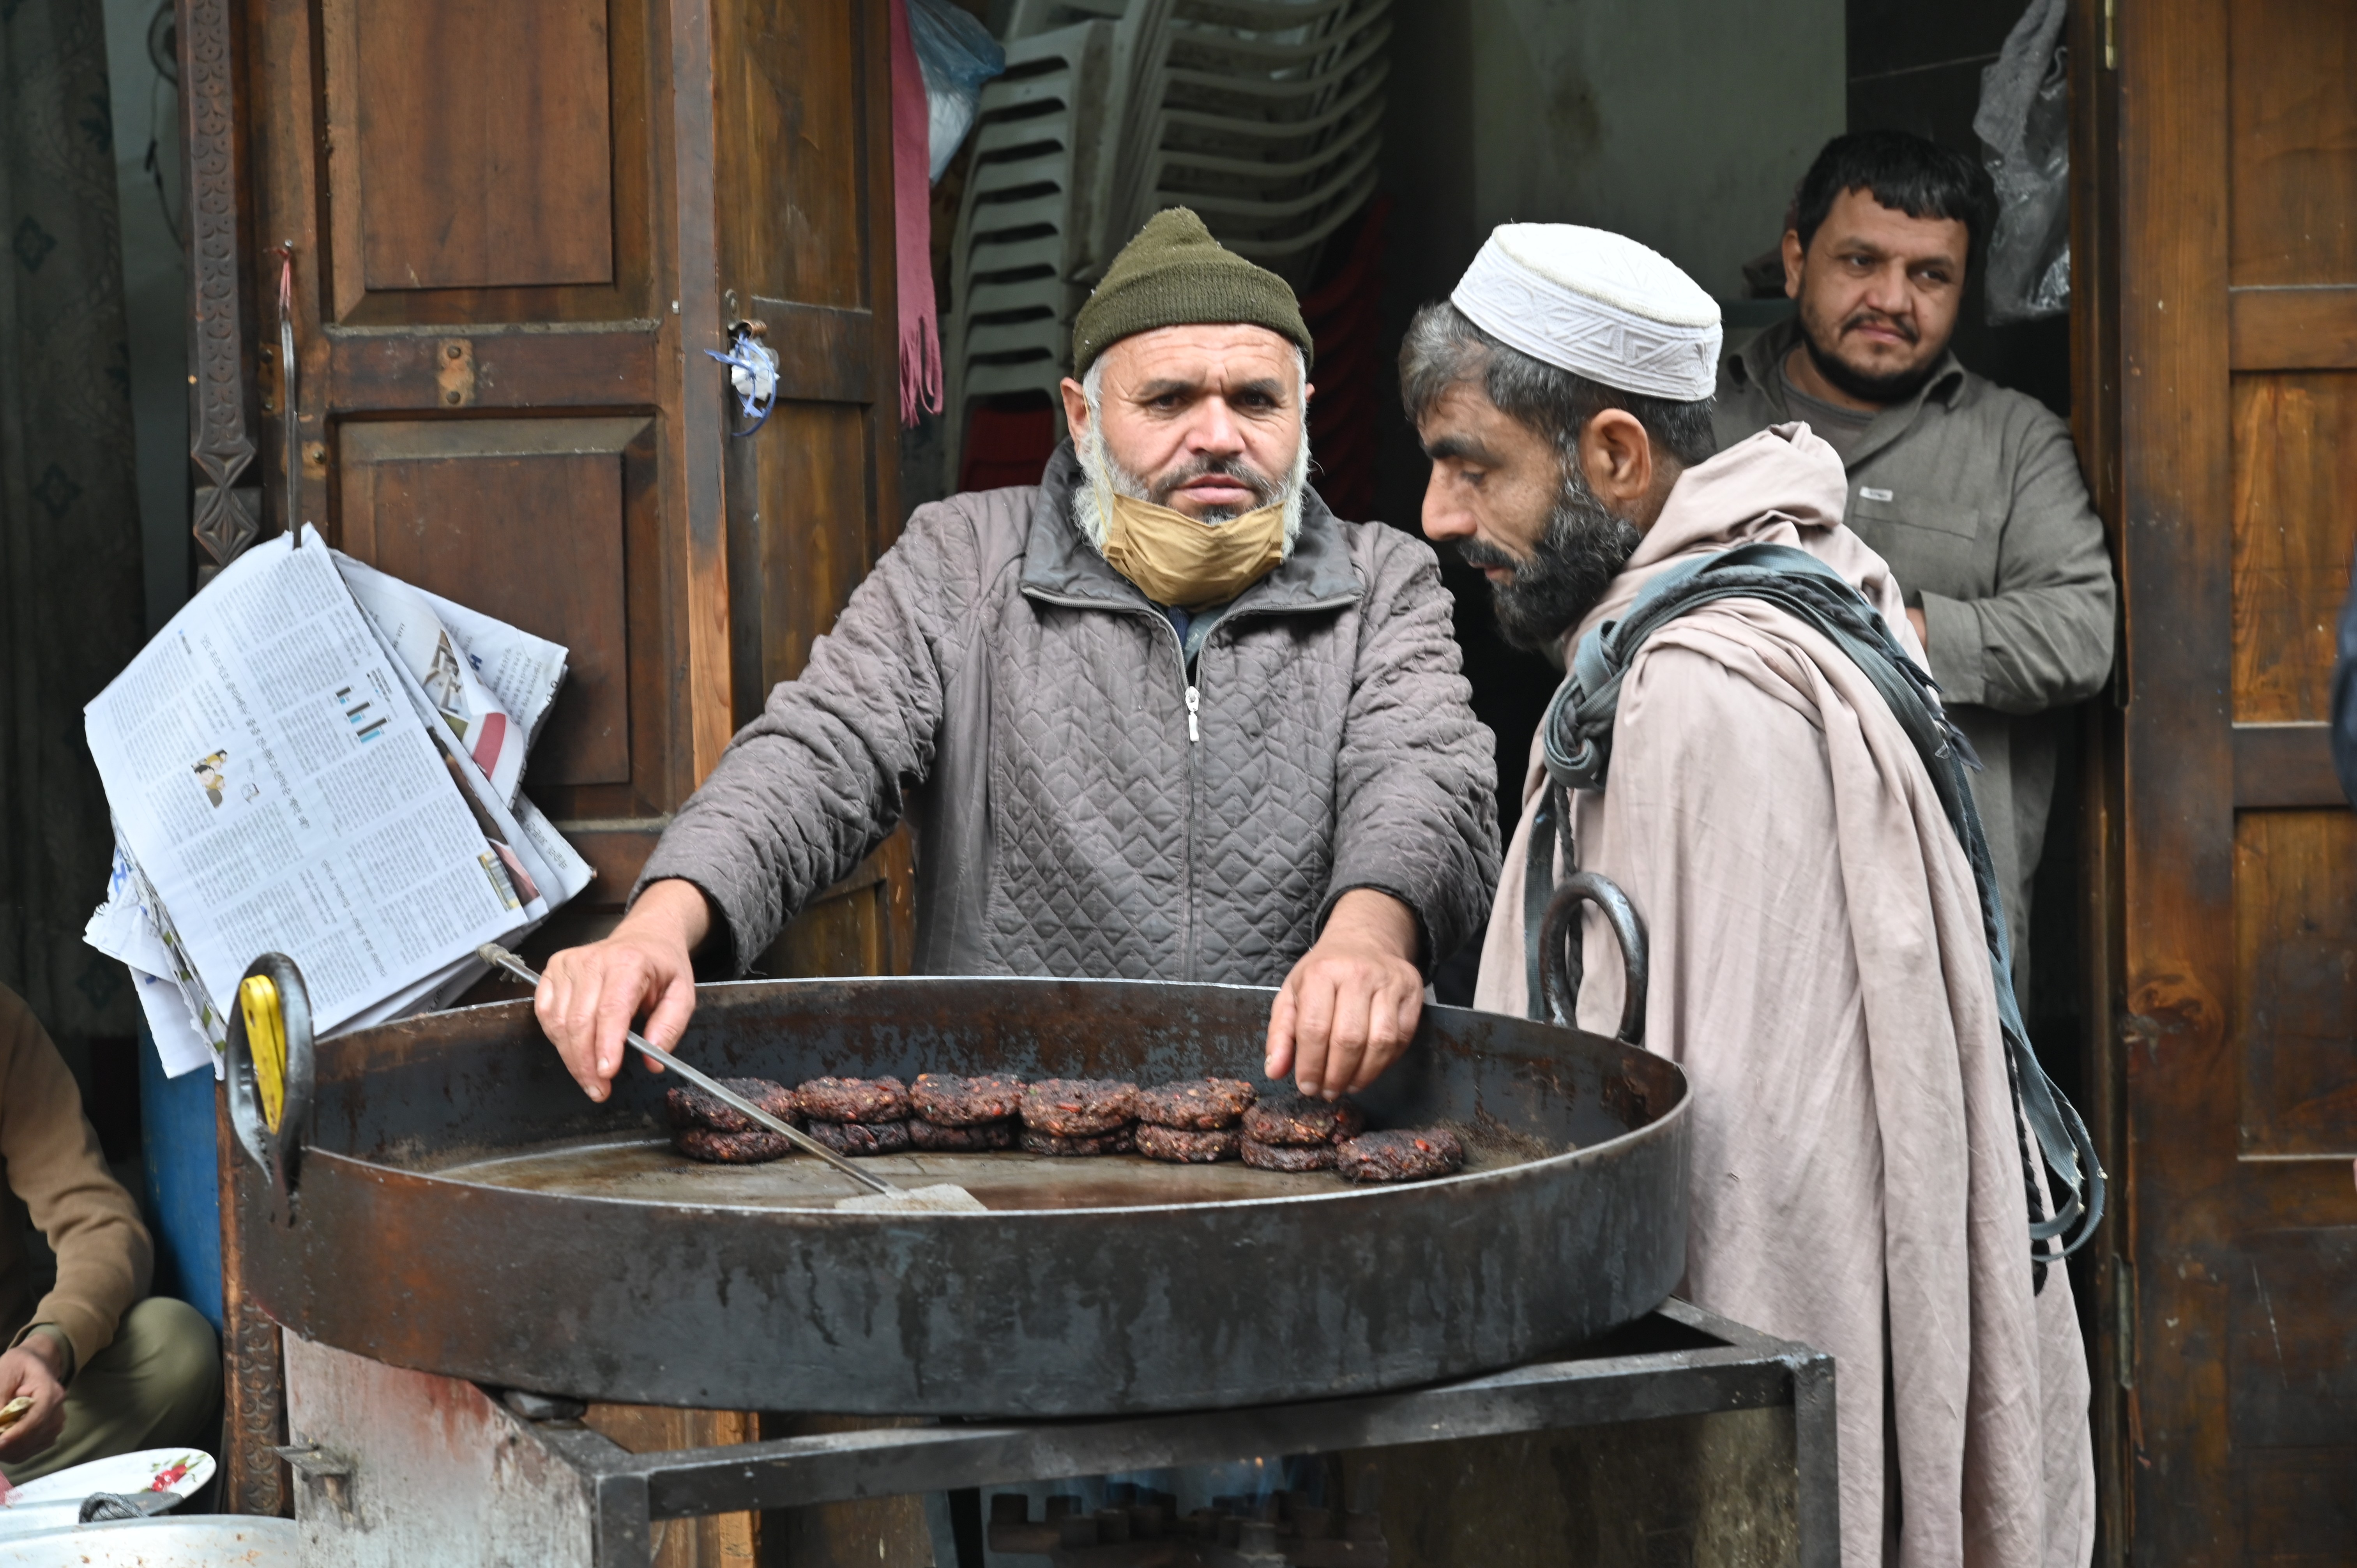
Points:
(1194, 738)
(1194, 698)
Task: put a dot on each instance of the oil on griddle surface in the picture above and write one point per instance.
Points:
(648, 1170)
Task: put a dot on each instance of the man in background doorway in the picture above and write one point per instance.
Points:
(1970, 491)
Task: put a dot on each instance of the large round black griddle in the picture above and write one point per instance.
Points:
(449, 1202)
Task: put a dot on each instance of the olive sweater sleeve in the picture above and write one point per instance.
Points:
(53, 1163)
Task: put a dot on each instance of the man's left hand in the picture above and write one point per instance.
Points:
(1351, 1005)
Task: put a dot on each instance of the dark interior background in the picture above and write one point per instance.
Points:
(1908, 67)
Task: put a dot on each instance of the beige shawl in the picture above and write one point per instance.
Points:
(1819, 970)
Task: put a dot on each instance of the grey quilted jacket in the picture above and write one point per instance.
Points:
(1000, 685)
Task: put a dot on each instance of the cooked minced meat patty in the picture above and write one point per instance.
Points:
(948, 1102)
(1116, 1142)
(1286, 1156)
(1400, 1157)
(862, 1137)
(854, 1099)
(1078, 1107)
(1187, 1145)
(694, 1108)
(971, 1140)
(1298, 1119)
(715, 1148)
(1200, 1103)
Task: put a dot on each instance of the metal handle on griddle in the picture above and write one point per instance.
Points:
(277, 1150)
(1560, 963)
(500, 957)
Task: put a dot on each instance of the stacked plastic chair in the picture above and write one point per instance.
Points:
(1031, 196)
(1265, 116)
(1262, 115)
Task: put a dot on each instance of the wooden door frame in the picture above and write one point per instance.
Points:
(2163, 333)
(2101, 1270)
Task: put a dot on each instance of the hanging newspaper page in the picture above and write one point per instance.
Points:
(487, 702)
(521, 671)
(410, 631)
(279, 791)
(536, 853)
(186, 1031)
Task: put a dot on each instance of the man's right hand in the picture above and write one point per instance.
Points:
(589, 996)
(33, 1371)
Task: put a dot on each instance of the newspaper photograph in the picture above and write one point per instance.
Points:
(521, 671)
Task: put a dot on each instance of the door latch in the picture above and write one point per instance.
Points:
(752, 371)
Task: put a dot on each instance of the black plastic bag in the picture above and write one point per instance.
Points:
(2024, 124)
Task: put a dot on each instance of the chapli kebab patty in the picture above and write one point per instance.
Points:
(1187, 1145)
(1199, 1103)
(1078, 1107)
(1298, 1119)
(948, 1102)
(718, 1148)
(1400, 1157)
(862, 1137)
(694, 1108)
(854, 1099)
(1286, 1156)
(1119, 1141)
(979, 1138)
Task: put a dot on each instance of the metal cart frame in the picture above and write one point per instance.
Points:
(615, 1497)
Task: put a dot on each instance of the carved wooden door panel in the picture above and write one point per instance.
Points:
(509, 255)
(2238, 1036)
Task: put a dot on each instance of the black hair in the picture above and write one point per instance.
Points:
(1900, 171)
(1445, 347)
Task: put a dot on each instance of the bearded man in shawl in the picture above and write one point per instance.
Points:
(1820, 967)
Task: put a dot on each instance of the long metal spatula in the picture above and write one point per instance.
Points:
(881, 1194)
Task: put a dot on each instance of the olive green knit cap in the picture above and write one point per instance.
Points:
(1173, 274)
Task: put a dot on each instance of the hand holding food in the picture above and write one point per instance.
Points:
(36, 1410)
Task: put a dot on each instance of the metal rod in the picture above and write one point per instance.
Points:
(1734, 1369)
(499, 956)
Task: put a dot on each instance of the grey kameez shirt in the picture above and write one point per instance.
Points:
(1972, 494)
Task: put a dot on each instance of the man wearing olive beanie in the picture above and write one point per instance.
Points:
(1161, 717)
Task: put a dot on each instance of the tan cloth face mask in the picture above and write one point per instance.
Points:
(1175, 560)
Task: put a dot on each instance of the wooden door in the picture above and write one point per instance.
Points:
(803, 170)
(514, 228)
(2234, 1302)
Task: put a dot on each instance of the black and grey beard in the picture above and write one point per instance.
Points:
(1896, 387)
(1585, 546)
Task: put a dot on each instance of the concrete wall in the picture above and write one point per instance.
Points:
(1683, 123)
(1680, 123)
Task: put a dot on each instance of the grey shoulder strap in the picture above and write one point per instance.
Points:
(1576, 742)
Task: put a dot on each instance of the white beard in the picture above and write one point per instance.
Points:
(1093, 501)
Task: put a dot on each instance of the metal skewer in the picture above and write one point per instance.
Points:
(946, 1196)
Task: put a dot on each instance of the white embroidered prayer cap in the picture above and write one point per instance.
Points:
(1598, 303)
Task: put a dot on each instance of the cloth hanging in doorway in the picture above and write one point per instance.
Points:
(912, 226)
(71, 589)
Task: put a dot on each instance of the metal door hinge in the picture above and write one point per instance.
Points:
(2111, 35)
